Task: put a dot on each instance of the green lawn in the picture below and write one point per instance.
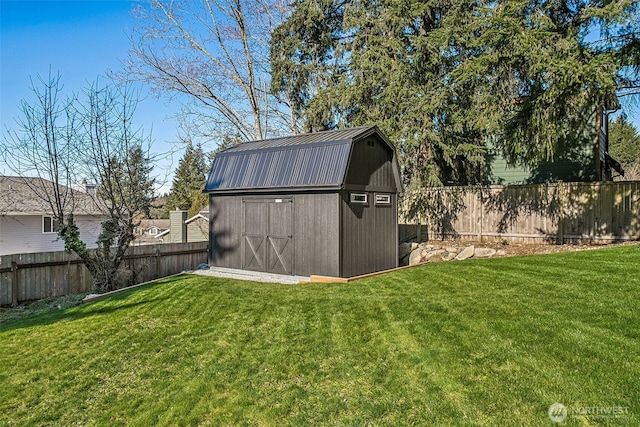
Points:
(480, 342)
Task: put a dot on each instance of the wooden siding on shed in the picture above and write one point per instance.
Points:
(315, 232)
(317, 238)
(371, 166)
(369, 236)
(225, 231)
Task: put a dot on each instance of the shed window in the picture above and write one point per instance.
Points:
(383, 199)
(49, 225)
(360, 198)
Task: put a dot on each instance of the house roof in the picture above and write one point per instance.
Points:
(28, 196)
(309, 161)
(159, 223)
(201, 214)
(164, 233)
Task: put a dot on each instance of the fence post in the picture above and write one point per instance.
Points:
(14, 284)
(156, 254)
(561, 203)
(481, 214)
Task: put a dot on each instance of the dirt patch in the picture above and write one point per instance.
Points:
(34, 308)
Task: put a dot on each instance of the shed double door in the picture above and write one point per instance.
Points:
(267, 235)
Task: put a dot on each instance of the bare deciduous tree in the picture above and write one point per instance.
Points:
(216, 52)
(89, 138)
(43, 146)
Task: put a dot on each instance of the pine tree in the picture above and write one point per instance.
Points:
(540, 74)
(624, 141)
(361, 63)
(189, 180)
(440, 77)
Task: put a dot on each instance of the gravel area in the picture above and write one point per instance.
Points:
(255, 276)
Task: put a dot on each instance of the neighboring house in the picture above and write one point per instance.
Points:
(26, 220)
(149, 229)
(182, 229)
(584, 159)
(198, 227)
(323, 203)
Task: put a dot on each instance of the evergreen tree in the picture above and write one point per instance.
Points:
(189, 180)
(624, 141)
(383, 63)
(540, 72)
(127, 181)
(439, 77)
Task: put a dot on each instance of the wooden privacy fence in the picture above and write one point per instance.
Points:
(558, 213)
(25, 277)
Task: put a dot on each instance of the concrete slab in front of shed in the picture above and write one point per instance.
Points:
(256, 276)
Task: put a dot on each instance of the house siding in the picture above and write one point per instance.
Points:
(178, 233)
(23, 234)
(573, 161)
(197, 230)
(580, 167)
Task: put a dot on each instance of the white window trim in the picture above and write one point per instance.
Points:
(54, 225)
(383, 199)
(359, 198)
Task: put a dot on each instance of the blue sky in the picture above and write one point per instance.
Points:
(81, 40)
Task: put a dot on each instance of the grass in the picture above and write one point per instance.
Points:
(482, 342)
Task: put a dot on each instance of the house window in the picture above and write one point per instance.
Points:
(383, 199)
(359, 198)
(49, 225)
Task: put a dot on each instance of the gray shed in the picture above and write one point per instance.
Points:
(323, 203)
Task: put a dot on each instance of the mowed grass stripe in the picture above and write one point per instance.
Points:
(484, 342)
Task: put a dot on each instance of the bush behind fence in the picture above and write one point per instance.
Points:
(25, 277)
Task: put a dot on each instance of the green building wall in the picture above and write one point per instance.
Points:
(574, 161)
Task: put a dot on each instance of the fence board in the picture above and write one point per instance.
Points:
(25, 277)
(545, 213)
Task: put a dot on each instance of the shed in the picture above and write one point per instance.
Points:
(323, 203)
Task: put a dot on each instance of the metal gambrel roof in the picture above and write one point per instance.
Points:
(308, 161)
